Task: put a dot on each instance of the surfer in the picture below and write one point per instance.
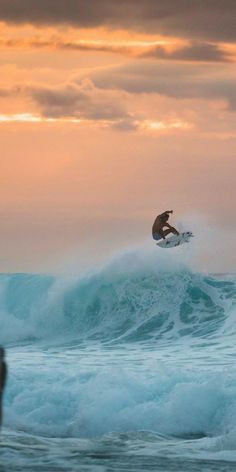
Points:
(158, 231)
(3, 378)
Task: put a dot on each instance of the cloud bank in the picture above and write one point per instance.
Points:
(205, 19)
(171, 80)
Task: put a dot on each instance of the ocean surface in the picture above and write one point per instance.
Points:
(129, 368)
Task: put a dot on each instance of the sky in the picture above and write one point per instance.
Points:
(110, 113)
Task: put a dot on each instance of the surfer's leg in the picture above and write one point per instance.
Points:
(167, 231)
(157, 236)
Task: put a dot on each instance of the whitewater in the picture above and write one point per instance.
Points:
(130, 367)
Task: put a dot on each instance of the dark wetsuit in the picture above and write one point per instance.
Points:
(3, 379)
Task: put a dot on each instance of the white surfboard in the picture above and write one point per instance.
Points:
(176, 240)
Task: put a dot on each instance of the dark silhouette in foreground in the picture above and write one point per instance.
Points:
(3, 378)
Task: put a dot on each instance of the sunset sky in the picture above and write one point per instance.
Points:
(111, 112)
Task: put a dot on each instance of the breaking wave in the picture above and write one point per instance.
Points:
(130, 300)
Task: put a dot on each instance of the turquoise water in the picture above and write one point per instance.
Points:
(131, 368)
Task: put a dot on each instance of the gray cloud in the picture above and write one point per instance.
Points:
(172, 80)
(196, 51)
(82, 101)
(209, 19)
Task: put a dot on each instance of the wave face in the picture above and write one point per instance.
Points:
(131, 300)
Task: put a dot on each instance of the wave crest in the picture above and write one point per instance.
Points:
(125, 302)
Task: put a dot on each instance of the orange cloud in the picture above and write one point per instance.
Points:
(119, 42)
(157, 49)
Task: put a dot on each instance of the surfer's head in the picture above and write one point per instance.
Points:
(165, 216)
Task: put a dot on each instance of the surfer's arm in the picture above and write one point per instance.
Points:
(166, 213)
